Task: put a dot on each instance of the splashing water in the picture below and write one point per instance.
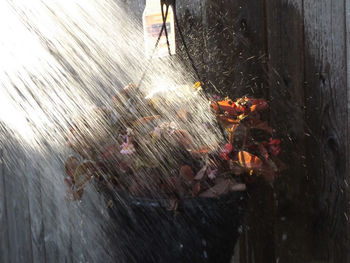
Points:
(59, 57)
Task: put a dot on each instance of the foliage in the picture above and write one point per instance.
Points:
(132, 148)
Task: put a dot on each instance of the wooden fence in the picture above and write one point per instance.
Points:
(296, 54)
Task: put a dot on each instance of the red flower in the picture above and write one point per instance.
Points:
(258, 105)
(225, 152)
(231, 108)
(228, 148)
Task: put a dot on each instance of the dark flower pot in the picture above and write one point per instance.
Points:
(200, 230)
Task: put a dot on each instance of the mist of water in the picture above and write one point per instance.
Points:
(58, 58)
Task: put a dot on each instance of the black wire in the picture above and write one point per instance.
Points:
(165, 27)
(185, 46)
(155, 48)
(168, 3)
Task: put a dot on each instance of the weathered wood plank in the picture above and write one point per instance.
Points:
(235, 46)
(227, 40)
(238, 42)
(326, 115)
(18, 216)
(49, 207)
(35, 209)
(63, 241)
(56, 215)
(4, 242)
(347, 25)
(257, 242)
(285, 41)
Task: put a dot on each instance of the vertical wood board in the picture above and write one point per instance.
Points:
(4, 240)
(285, 42)
(326, 116)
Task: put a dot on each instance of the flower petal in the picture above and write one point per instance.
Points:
(249, 160)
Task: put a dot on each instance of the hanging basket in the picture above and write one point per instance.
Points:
(199, 230)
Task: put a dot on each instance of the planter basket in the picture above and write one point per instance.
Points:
(200, 230)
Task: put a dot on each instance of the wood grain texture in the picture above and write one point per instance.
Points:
(4, 242)
(234, 42)
(49, 206)
(36, 211)
(285, 41)
(18, 217)
(62, 212)
(301, 49)
(326, 115)
(257, 243)
(347, 180)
